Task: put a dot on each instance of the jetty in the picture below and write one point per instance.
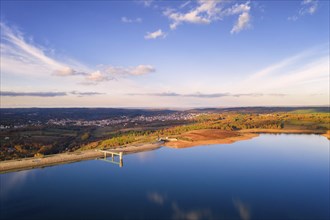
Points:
(113, 154)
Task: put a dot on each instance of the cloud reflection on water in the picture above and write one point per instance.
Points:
(156, 198)
(243, 209)
(145, 156)
(193, 214)
(161, 199)
(12, 181)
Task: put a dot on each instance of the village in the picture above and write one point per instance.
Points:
(119, 120)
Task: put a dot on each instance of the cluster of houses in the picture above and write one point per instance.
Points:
(123, 120)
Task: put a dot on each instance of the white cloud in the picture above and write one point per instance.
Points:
(242, 23)
(244, 18)
(130, 20)
(18, 56)
(293, 18)
(146, 3)
(206, 12)
(97, 76)
(156, 34)
(238, 9)
(68, 71)
(142, 70)
(306, 7)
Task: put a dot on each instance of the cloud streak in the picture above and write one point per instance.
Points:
(47, 94)
(310, 66)
(19, 56)
(126, 71)
(35, 94)
(154, 35)
(86, 93)
(130, 20)
(207, 95)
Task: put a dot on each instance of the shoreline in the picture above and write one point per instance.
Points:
(323, 133)
(64, 158)
(234, 136)
(282, 131)
(195, 138)
(227, 140)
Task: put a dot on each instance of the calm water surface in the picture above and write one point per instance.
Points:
(269, 177)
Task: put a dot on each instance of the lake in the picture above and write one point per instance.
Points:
(268, 177)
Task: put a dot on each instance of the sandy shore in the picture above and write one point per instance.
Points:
(327, 135)
(208, 137)
(214, 136)
(29, 163)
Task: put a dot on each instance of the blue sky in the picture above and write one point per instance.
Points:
(164, 53)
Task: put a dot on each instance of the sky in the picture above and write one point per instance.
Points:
(164, 54)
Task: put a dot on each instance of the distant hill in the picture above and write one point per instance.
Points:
(262, 110)
(23, 115)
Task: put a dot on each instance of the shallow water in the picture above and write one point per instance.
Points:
(268, 177)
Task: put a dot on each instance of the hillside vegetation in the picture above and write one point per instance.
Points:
(45, 140)
(312, 122)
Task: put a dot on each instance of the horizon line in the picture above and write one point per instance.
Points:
(182, 108)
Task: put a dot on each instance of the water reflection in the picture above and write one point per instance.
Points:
(270, 176)
(146, 156)
(178, 212)
(13, 181)
(243, 209)
(120, 163)
(156, 198)
(198, 213)
(193, 214)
